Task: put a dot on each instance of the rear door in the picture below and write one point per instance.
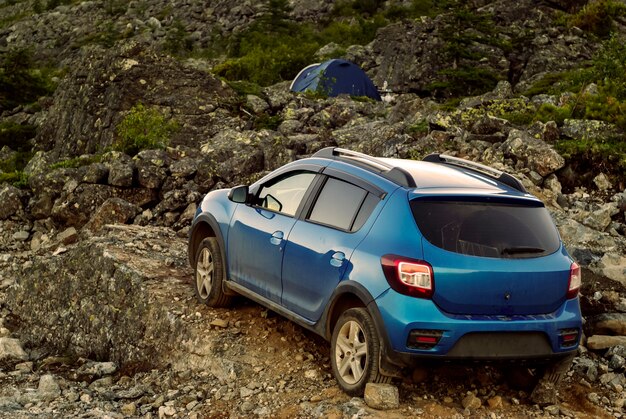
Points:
(492, 256)
(318, 252)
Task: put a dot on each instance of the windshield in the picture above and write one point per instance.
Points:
(488, 228)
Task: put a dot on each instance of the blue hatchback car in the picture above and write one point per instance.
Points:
(394, 261)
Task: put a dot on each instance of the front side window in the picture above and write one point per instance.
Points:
(339, 204)
(285, 195)
(487, 229)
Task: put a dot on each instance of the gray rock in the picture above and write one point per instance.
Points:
(48, 387)
(587, 368)
(112, 211)
(256, 104)
(600, 219)
(552, 183)
(94, 173)
(11, 351)
(381, 396)
(184, 167)
(609, 323)
(97, 369)
(10, 197)
(583, 129)
(68, 236)
(544, 393)
(617, 362)
(613, 265)
(599, 342)
(532, 153)
(149, 175)
(21, 235)
(602, 182)
(471, 402)
(121, 175)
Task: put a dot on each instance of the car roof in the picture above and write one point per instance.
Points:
(437, 174)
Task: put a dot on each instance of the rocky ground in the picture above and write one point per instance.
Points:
(97, 313)
(135, 342)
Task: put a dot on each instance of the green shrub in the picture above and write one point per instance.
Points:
(519, 118)
(421, 127)
(20, 82)
(598, 16)
(244, 88)
(265, 121)
(16, 136)
(464, 81)
(548, 112)
(607, 150)
(143, 128)
(177, 40)
(16, 162)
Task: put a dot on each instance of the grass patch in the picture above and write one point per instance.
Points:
(144, 128)
(265, 121)
(18, 179)
(244, 88)
(421, 127)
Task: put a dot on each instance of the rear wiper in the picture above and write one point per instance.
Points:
(521, 249)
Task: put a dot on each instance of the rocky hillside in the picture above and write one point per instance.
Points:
(116, 112)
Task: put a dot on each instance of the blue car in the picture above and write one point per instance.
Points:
(395, 262)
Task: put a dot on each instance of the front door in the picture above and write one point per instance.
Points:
(258, 233)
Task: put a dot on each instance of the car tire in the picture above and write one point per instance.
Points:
(209, 274)
(355, 352)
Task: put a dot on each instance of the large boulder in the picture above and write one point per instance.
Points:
(532, 153)
(102, 86)
(109, 297)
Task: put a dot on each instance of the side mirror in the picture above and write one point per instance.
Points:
(239, 194)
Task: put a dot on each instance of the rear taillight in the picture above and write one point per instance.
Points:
(424, 339)
(409, 276)
(574, 281)
(568, 337)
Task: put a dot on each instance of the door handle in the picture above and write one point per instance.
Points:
(337, 259)
(277, 238)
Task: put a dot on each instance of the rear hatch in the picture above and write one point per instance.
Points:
(492, 255)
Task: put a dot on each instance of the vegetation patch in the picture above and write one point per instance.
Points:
(20, 81)
(18, 179)
(16, 136)
(598, 16)
(144, 128)
(421, 127)
(274, 48)
(265, 121)
(603, 152)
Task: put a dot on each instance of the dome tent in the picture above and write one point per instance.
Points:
(334, 77)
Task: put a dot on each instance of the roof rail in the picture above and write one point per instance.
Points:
(496, 174)
(397, 175)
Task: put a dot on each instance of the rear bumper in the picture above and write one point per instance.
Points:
(534, 338)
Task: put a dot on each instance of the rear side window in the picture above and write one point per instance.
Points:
(342, 205)
(502, 229)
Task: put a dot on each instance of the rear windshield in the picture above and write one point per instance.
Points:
(497, 229)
